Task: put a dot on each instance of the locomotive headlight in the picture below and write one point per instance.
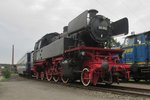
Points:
(82, 53)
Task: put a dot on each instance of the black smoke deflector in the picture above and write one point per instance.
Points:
(120, 27)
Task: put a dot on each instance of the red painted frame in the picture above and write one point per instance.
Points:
(98, 56)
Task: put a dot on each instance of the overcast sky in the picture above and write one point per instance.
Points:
(23, 22)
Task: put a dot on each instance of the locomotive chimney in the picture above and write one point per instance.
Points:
(92, 13)
(65, 29)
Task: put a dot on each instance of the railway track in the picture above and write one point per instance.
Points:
(121, 90)
(117, 90)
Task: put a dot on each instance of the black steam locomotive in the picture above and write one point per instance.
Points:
(82, 52)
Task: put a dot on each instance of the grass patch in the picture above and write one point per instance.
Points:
(3, 79)
(6, 74)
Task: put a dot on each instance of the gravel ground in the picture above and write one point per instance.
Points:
(19, 88)
(135, 85)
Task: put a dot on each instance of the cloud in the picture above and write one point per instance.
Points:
(23, 22)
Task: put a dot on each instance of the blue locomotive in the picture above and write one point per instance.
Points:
(137, 54)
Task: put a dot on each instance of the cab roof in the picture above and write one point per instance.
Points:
(138, 34)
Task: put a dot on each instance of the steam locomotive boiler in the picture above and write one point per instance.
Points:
(82, 52)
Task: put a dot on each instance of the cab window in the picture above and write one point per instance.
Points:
(138, 40)
(128, 41)
(37, 45)
(44, 42)
(147, 37)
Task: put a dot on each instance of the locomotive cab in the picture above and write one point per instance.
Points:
(44, 41)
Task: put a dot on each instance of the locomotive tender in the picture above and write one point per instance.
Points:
(137, 54)
(82, 52)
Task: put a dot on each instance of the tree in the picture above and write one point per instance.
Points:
(115, 43)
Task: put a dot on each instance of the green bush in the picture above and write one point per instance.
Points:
(6, 73)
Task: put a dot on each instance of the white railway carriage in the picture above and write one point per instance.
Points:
(24, 64)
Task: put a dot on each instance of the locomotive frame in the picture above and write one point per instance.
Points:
(90, 70)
